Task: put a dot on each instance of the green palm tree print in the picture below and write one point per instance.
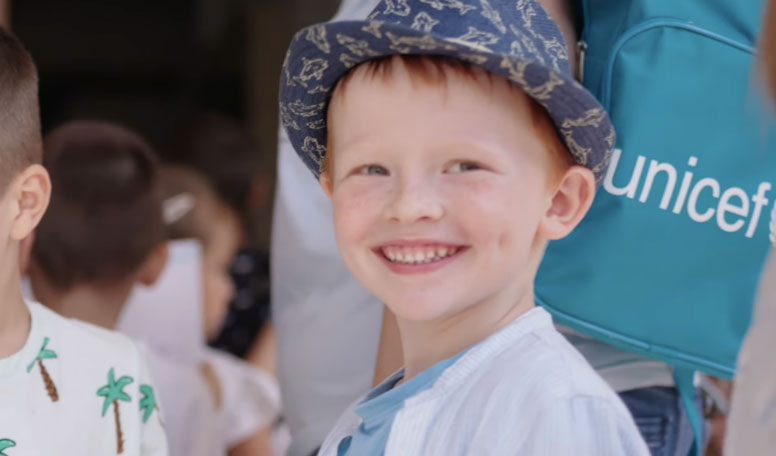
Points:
(44, 353)
(148, 403)
(6, 443)
(113, 392)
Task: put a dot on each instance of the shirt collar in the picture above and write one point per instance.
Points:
(387, 398)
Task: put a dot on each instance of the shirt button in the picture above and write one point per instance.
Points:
(344, 446)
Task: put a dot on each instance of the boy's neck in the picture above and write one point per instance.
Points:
(427, 343)
(15, 320)
(100, 306)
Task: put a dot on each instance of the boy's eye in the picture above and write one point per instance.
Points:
(373, 170)
(463, 166)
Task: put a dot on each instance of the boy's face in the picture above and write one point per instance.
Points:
(439, 192)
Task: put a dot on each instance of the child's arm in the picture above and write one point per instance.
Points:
(263, 353)
(259, 444)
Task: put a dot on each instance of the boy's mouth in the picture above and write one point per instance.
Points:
(419, 254)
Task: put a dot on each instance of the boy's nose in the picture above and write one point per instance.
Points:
(413, 201)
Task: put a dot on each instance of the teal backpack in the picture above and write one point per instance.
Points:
(667, 261)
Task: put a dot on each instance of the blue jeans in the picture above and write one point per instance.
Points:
(660, 417)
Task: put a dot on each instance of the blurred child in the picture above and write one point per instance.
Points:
(455, 144)
(220, 149)
(102, 235)
(66, 387)
(194, 212)
(248, 397)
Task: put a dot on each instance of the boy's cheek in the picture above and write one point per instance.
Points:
(361, 195)
(480, 200)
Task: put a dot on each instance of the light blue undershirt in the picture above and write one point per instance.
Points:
(380, 406)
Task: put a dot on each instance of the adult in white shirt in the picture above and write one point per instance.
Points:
(751, 427)
(318, 308)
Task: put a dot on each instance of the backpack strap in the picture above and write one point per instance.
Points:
(685, 384)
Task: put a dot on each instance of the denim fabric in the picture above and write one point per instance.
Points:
(661, 419)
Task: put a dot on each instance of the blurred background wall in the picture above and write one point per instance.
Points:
(152, 65)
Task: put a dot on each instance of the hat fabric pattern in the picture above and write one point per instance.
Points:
(515, 39)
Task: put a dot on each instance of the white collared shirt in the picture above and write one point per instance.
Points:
(524, 390)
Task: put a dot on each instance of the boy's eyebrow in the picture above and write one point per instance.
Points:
(467, 145)
(457, 145)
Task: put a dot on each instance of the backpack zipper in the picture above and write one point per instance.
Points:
(581, 54)
(642, 27)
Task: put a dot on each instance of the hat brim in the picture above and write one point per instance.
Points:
(321, 54)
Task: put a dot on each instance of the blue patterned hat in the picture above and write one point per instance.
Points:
(515, 39)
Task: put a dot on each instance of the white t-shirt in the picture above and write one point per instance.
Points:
(522, 391)
(168, 316)
(76, 389)
(250, 397)
(190, 416)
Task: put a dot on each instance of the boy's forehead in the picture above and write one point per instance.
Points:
(420, 73)
(369, 100)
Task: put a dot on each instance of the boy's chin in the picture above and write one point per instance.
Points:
(419, 310)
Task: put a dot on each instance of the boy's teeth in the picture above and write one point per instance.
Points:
(417, 255)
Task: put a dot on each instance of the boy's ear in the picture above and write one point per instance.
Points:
(327, 183)
(31, 191)
(152, 268)
(570, 203)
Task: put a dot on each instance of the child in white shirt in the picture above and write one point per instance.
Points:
(66, 387)
(454, 144)
(103, 233)
(247, 397)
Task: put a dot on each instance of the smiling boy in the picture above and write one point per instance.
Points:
(457, 146)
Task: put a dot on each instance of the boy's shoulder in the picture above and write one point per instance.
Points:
(540, 365)
(521, 371)
(92, 341)
(527, 389)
